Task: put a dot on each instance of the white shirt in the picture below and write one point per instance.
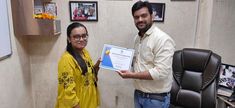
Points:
(153, 53)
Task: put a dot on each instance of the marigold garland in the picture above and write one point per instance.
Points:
(44, 16)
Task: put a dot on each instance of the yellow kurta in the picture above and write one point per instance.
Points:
(73, 87)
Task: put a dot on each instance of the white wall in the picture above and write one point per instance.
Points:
(15, 78)
(222, 38)
(202, 37)
(180, 21)
(216, 28)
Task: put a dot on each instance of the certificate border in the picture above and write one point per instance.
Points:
(113, 46)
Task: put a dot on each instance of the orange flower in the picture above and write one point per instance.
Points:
(44, 16)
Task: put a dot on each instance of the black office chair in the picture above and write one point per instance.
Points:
(195, 74)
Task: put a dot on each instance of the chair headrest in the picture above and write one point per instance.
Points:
(195, 59)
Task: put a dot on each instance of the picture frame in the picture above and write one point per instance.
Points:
(158, 11)
(38, 10)
(50, 8)
(227, 76)
(83, 10)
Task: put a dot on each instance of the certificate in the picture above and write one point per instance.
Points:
(116, 58)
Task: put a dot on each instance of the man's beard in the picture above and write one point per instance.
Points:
(143, 30)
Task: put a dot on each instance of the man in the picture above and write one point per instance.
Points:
(152, 62)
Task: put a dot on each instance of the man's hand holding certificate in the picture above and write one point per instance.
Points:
(116, 58)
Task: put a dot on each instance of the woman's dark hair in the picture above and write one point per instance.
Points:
(140, 4)
(71, 50)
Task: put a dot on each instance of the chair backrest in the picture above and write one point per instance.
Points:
(195, 74)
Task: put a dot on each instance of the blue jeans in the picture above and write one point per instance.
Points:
(144, 102)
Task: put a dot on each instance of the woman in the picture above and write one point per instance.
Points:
(77, 75)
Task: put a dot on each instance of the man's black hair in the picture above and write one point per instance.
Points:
(140, 4)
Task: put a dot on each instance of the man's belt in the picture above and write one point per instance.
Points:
(157, 96)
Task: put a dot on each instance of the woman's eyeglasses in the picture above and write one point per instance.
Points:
(80, 37)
